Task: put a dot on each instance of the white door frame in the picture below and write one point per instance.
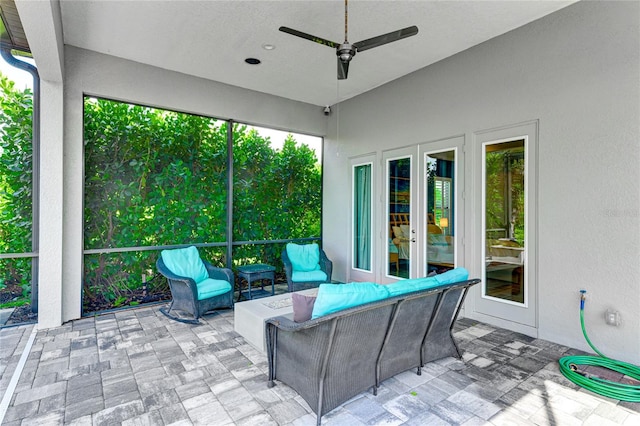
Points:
(514, 316)
(455, 144)
(357, 274)
(387, 156)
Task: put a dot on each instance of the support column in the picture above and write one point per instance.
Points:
(51, 204)
(42, 23)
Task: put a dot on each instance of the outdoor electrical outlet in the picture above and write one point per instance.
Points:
(612, 317)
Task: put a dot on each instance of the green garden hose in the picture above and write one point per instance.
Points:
(621, 391)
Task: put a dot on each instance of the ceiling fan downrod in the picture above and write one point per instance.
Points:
(346, 20)
(345, 51)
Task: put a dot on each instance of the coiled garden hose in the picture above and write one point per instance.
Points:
(621, 391)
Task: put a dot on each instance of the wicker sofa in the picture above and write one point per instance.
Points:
(330, 359)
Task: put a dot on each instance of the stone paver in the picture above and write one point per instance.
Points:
(139, 368)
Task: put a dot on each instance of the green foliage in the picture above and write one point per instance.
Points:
(149, 176)
(152, 176)
(504, 187)
(119, 301)
(14, 303)
(276, 193)
(16, 170)
(156, 177)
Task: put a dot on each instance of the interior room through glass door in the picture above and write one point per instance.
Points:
(401, 235)
(440, 226)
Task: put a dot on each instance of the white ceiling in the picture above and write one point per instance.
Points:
(211, 39)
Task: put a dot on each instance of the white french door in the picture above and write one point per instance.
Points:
(507, 223)
(424, 208)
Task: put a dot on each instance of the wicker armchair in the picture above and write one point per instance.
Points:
(294, 284)
(198, 298)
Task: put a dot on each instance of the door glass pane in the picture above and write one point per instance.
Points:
(440, 175)
(400, 232)
(504, 219)
(362, 217)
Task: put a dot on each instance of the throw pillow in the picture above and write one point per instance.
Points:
(305, 257)
(302, 306)
(185, 262)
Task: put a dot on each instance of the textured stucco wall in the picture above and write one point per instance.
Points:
(577, 72)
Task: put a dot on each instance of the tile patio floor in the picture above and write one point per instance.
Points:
(137, 367)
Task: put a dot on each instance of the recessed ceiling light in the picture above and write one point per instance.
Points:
(252, 61)
(268, 46)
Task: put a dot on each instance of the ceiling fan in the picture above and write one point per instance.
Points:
(346, 51)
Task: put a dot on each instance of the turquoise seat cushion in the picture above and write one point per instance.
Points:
(304, 258)
(336, 297)
(305, 277)
(209, 288)
(417, 284)
(185, 262)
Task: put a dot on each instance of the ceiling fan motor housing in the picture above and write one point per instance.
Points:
(346, 52)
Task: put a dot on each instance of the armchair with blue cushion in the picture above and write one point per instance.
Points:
(306, 266)
(196, 286)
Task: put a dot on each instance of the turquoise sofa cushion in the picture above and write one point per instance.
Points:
(185, 262)
(408, 286)
(305, 257)
(309, 276)
(417, 284)
(452, 276)
(336, 297)
(210, 288)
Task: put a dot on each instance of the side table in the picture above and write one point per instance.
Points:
(254, 273)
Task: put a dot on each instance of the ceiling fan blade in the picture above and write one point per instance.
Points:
(370, 43)
(309, 37)
(343, 69)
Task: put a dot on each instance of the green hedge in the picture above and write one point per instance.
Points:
(155, 177)
(16, 171)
